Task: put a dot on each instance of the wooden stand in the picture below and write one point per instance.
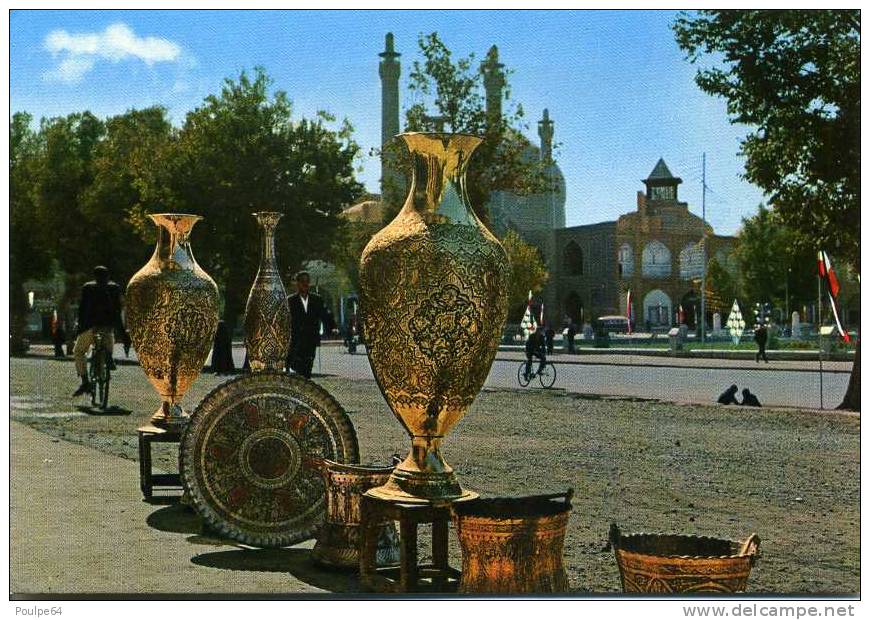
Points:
(147, 480)
(409, 576)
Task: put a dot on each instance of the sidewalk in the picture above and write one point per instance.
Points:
(79, 525)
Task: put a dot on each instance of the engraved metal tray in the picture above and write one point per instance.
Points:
(251, 457)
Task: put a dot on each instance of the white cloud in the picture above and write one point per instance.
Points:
(78, 53)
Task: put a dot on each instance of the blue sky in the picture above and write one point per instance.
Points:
(619, 90)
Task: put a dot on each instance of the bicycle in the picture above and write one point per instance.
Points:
(99, 372)
(546, 376)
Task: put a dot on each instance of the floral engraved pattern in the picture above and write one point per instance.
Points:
(445, 324)
(250, 457)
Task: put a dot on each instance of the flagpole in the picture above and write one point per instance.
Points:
(819, 321)
(704, 245)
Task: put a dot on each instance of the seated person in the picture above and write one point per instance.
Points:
(729, 396)
(749, 399)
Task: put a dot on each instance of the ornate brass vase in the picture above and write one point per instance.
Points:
(339, 539)
(267, 316)
(433, 289)
(172, 314)
(671, 563)
(514, 544)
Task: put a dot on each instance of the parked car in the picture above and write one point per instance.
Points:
(611, 324)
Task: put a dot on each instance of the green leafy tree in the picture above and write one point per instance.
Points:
(121, 165)
(721, 288)
(451, 96)
(28, 257)
(529, 273)
(794, 78)
(64, 171)
(241, 152)
(769, 254)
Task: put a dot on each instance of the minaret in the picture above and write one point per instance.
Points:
(389, 70)
(493, 81)
(545, 132)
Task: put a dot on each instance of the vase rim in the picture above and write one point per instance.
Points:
(441, 134)
(176, 216)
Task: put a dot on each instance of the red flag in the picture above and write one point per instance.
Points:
(832, 286)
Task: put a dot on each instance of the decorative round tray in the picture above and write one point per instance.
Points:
(252, 452)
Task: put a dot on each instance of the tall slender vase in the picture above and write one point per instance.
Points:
(172, 314)
(267, 315)
(434, 300)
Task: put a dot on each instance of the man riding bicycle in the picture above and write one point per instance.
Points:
(99, 311)
(536, 346)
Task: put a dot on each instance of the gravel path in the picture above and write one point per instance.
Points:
(792, 476)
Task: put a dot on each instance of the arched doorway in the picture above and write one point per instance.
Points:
(657, 309)
(691, 304)
(574, 308)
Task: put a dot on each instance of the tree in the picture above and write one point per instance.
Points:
(721, 288)
(454, 90)
(794, 77)
(241, 152)
(771, 258)
(528, 273)
(28, 258)
(134, 141)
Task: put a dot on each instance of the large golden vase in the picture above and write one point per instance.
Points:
(267, 315)
(172, 314)
(433, 293)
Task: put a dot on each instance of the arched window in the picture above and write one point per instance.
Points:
(626, 261)
(656, 260)
(657, 308)
(573, 259)
(691, 261)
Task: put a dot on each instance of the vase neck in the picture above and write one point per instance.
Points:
(438, 191)
(173, 239)
(268, 221)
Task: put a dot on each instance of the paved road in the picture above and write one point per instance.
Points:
(779, 383)
(792, 384)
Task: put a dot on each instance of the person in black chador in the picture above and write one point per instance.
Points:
(99, 311)
(58, 336)
(571, 334)
(306, 314)
(222, 352)
(535, 347)
(749, 399)
(761, 341)
(729, 396)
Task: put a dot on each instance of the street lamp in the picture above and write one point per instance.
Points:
(787, 313)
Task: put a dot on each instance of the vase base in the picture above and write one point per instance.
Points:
(170, 417)
(413, 488)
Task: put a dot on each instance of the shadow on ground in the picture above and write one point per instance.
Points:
(297, 562)
(175, 518)
(109, 411)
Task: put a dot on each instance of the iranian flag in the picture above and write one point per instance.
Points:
(832, 286)
(528, 323)
(628, 309)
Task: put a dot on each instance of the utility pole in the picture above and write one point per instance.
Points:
(704, 248)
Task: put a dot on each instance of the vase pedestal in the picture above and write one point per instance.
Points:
(409, 576)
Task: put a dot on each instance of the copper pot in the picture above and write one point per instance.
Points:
(513, 544)
(673, 563)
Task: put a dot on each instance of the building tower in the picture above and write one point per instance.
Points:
(493, 81)
(545, 132)
(389, 70)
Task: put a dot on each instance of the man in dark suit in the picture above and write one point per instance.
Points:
(306, 313)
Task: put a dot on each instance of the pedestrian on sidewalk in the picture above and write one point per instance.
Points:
(306, 315)
(550, 334)
(572, 332)
(222, 351)
(761, 341)
(58, 336)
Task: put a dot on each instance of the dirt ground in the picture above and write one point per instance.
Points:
(791, 476)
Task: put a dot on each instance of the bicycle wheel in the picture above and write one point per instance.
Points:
(547, 376)
(93, 377)
(521, 375)
(104, 385)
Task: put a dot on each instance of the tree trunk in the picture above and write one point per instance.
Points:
(852, 400)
